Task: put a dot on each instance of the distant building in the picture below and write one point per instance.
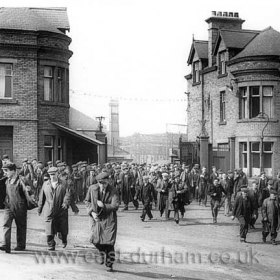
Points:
(34, 89)
(149, 148)
(233, 95)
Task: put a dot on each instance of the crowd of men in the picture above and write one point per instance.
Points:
(170, 187)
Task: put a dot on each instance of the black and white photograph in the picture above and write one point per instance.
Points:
(139, 139)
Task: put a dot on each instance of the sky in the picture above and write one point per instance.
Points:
(136, 51)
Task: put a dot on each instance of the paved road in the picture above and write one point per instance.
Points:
(157, 249)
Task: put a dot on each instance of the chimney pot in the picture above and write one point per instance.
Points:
(213, 13)
(236, 15)
(225, 14)
(230, 14)
(219, 14)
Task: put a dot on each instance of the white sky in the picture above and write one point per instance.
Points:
(138, 49)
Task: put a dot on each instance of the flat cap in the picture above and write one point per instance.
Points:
(49, 162)
(103, 175)
(5, 157)
(273, 191)
(25, 160)
(9, 165)
(52, 170)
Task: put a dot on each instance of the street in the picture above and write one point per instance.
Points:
(156, 249)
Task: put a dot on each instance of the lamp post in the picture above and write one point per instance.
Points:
(262, 116)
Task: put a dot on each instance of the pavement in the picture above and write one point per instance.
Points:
(195, 249)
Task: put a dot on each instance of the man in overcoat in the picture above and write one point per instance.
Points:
(102, 203)
(55, 198)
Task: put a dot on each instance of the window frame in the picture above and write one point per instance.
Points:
(222, 63)
(10, 76)
(49, 78)
(196, 72)
(222, 106)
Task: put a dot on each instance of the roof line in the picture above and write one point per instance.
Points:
(78, 134)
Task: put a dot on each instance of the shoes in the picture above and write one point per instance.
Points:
(51, 249)
(142, 219)
(214, 221)
(273, 242)
(64, 245)
(4, 248)
(264, 240)
(18, 248)
(150, 218)
(110, 269)
(177, 222)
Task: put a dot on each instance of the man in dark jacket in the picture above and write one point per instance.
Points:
(15, 209)
(146, 192)
(215, 193)
(271, 217)
(229, 183)
(253, 196)
(242, 210)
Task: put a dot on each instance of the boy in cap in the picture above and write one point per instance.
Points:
(242, 210)
(271, 217)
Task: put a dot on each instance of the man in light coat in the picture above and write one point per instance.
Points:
(55, 198)
(102, 203)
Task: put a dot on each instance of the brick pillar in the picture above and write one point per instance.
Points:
(232, 153)
(204, 151)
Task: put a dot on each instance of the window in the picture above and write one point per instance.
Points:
(48, 83)
(59, 148)
(254, 101)
(196, 78)
(259, 100)
(60, 85)
(6, 74)
(48, 147)
(243, 112)
(222, 107)
(268, 100)
(222, 63)
(244, 152)
(267, 154)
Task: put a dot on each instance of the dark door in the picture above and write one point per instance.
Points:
(6, 141)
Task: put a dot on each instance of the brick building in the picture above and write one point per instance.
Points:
(150, 148)
(34, 88)
(234, 84)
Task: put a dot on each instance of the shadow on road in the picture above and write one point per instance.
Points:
(155, 275)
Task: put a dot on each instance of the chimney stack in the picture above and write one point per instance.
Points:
(220, 20)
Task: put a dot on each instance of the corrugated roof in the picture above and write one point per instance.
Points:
(267, 42)
(34, 19)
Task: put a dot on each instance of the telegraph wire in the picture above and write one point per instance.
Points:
(123, 98)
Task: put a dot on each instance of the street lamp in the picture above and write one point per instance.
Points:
(262, 116)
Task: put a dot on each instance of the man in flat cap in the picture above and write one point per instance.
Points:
(271, 217)
(243, 210)
(55, 199)
(102, 203)
(15, 209)
(146, 192)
